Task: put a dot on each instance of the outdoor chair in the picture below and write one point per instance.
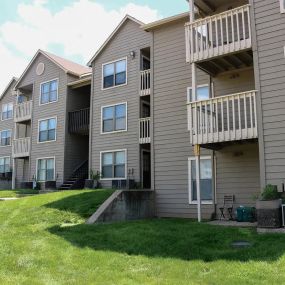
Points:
(227, 206)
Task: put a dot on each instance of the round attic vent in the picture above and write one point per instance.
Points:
(40, 68)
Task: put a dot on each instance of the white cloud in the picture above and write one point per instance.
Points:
(80, 29)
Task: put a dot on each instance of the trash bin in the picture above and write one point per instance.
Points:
(245, 214)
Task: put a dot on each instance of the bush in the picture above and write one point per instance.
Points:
(270, 192)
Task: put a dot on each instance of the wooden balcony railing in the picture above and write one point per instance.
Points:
(217, 35)
(23, 111)
(21, 147)
(226, 118)
(144, 130)
(78, 121)
(145, 83)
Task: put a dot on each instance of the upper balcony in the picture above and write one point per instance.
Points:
(78, 122)
(21, 147)
(223, 119)
(145, 82)
(23, 111)
(144, 130)
(225, 36)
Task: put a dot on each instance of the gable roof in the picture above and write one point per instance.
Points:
(156, 24)
(65, 64)
(127, 17)
(14, 79)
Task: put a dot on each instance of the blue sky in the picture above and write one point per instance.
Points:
(73, 29)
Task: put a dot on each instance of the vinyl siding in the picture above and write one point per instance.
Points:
(129, 38)
(7, 125)
(270, 26)
(172, 76)
(56, 109)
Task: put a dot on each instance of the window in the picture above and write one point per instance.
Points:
(49, 92)
(47, 130)
(114, 118)
(115, 73)
(206, 180)
(46, 169)
(203, 93)
(5, 137)
(113, 164)
(5, 164)
(282, 6)
(7, 111)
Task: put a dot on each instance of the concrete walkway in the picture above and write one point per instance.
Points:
(227, 223)
(8, 199)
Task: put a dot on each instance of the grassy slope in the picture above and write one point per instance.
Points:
(17, 193)
(44, 241)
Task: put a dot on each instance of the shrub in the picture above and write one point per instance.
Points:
(270, 192)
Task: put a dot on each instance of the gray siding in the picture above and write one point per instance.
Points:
(56, 109)
(7, 125)
(270, 26)
(129, 38)
(172, 146)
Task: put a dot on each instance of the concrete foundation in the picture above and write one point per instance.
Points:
(125, 205)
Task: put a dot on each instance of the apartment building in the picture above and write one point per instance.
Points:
(6, 134)
(121, 108)
(51, 123)
(189, 106)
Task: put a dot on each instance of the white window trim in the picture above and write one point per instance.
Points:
(40, 120)
(114, 61)
(191, 202)
(40, 97)
(112, 151)
(113, 105)
(199, 86)
(10, 138)
(3, 112)
(54, 172)
(9, 161)
(282, 6)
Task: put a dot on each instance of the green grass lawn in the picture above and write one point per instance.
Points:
(44, 240)
(17, 193)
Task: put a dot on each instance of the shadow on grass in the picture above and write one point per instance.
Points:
(83, 204)
(174, 238)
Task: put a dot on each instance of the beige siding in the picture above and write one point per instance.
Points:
(235, 175)
(129, 38)
(270, 26)
(56, 109)
(7, 125)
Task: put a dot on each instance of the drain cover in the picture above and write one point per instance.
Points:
(241, 244)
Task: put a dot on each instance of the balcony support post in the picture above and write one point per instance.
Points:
(198, 184)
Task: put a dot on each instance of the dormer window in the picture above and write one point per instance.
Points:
(49, 92)
(114, 74)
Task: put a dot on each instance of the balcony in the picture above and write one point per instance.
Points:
(23, 111)
(219, 35)
(223, 119)
(21, 147)
(144, 130)
(78, 122)
(145, 82)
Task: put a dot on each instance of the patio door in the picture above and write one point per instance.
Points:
(206, 180)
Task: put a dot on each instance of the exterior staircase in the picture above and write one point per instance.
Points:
(77, 179)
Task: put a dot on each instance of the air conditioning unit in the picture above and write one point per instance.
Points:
(283, 215)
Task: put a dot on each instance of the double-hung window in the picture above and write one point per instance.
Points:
(5, 138)
(47, 130)
(113, 164)
(49, 92)
(7, 111)
(115, 73)
(206, 180)
(4, 164)
(114, 118)
(203, 93)
(282, 6)
(46, 169)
